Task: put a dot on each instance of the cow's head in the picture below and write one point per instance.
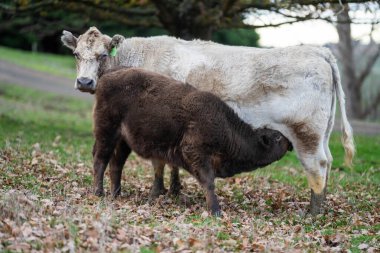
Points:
(92, 51)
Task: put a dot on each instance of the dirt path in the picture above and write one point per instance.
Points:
(15, 74)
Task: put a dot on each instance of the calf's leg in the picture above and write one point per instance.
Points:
(158, 187)
(175, 183)
(105, 142)
(158, 183)
(116, 164)
(103, 153)
(206, 177)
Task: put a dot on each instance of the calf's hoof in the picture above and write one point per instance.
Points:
(215, 209)
(316, 202)
(99, 192)
(175, 189)
(216, 213)
(155, 193)
(116, 193)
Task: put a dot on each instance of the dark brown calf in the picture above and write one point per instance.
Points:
(165, 120)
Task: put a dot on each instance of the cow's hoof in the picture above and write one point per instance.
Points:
(316, 202)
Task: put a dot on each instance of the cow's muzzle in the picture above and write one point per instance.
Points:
(85, 84)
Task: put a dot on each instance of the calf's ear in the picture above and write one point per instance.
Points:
(116, 41)
(69, 40)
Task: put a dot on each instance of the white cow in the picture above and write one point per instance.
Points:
(292, 90)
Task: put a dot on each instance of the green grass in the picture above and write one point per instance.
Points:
(39, 117)
(45, 150)
(28, 116)
(60, 65)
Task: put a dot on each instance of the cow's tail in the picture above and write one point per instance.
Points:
(347, 135)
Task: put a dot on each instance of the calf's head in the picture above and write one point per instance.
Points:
(92, 51)
(272, 145)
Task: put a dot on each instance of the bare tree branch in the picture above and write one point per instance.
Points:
(312, 15)
(268, 5)
(242, 25)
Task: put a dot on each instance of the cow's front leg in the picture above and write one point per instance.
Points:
(116, 164)
(158, 187)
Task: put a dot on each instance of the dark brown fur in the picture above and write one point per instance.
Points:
(162, 119)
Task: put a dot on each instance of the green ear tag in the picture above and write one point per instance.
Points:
(113, 52)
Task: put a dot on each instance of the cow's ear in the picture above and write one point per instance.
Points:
(116, 41)
(69, 40)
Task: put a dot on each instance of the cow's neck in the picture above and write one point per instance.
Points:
(142, 53)
(135, 52)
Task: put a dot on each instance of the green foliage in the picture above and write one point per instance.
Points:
(238, 37)
(39, 28)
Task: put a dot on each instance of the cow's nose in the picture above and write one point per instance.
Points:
(85, 82)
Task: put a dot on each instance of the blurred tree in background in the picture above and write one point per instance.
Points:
(33, 24)
(37, 25)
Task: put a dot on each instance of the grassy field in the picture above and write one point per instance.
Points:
(49, 63)
(46, 203)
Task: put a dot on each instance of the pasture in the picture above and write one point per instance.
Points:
(46, 202)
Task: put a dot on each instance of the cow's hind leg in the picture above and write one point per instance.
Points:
(307, 137)
(158, 187)
(116, 164)
(316, 167)
(317, 200)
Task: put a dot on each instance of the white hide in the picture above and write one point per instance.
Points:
(266, 87)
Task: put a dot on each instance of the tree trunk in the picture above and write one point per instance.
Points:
(353, 77)
(346, 53)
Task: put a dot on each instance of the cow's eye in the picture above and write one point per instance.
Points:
(102, 56)
(76, 55)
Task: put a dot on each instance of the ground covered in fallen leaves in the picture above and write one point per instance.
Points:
(46, 204)
(56, 210)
